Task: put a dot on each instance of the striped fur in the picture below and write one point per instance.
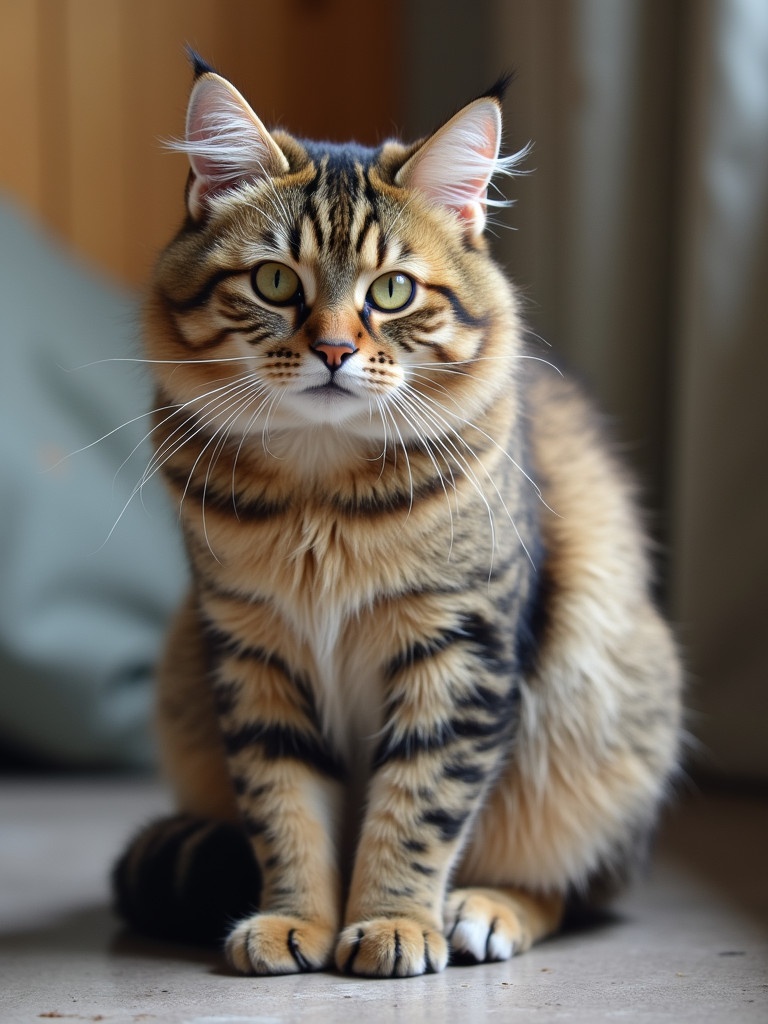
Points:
(419, 668)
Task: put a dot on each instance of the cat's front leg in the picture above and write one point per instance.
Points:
(443, 744)
(288, 816)
(394, 917)
(286, 780)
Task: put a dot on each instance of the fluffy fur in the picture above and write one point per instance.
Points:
(419, 675)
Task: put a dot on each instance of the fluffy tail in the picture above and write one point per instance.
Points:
(186, 879)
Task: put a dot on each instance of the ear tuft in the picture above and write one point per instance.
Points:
(499, 88)
(225, 141)
(454, 167)
(199, 65)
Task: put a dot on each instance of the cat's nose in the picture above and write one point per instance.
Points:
(333, 352)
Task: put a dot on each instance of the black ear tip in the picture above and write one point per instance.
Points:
(199, 66)
(499, 88)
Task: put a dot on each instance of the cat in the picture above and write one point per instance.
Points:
(419, 699)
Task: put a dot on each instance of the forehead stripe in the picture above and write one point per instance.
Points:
(460, 311)
(370, 219)
(203, 294)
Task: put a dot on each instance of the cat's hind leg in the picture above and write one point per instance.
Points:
(484, 925)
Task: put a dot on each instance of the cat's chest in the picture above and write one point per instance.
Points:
(314, 578)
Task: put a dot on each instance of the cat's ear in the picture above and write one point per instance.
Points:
(225, 141)
(454, 166)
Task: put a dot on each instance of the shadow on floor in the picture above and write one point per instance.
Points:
(95, 929)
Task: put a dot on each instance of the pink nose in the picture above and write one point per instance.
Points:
(333, 353)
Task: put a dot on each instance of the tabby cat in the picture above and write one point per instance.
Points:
(418, 699)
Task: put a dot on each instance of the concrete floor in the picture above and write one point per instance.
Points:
(689, 945)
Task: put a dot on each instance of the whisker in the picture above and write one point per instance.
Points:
(241, 402)
(407, 459)
(185, 432)
(382, 456)
(171, 446)
(443, 438)
(473, 426)
(245, 434)
(274, 402)
(174, 410)
(235, 404)
(447, 367)
(155, 362)
(427, 445)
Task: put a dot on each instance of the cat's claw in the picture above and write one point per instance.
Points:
(484, 926)
(390, 948)
(276, 944)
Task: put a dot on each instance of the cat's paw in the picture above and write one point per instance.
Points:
(483, 925)
(277, 944)
(390, 948)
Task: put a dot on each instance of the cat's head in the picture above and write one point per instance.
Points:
(320, 286)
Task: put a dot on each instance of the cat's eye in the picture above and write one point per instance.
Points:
(276, 284)
(391, 292)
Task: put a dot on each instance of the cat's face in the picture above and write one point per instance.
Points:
(320, 287)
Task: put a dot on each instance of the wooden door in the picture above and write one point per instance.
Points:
(89, 88)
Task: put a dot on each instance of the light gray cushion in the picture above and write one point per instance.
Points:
(82, 612)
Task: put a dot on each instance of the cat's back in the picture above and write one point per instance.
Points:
(590, 522)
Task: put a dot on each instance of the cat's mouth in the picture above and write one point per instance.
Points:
(327, 403)
(331, 389)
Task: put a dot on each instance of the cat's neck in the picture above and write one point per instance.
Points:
(315, 453)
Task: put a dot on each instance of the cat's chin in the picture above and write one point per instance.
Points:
(328, 405)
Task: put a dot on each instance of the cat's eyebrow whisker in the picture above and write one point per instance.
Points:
(280, 201)
(277, 224)
(390, 228)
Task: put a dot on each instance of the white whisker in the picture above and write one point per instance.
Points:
(428, 444)
(443, 435)
(396, 430)
(473, 426)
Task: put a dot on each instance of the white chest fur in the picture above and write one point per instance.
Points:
(346, 684)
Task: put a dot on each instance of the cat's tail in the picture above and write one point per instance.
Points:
(186, 879)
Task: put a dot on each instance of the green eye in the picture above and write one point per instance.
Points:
(276, 284)
(391, 292)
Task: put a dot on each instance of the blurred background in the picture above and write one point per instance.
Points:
(639, 241)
